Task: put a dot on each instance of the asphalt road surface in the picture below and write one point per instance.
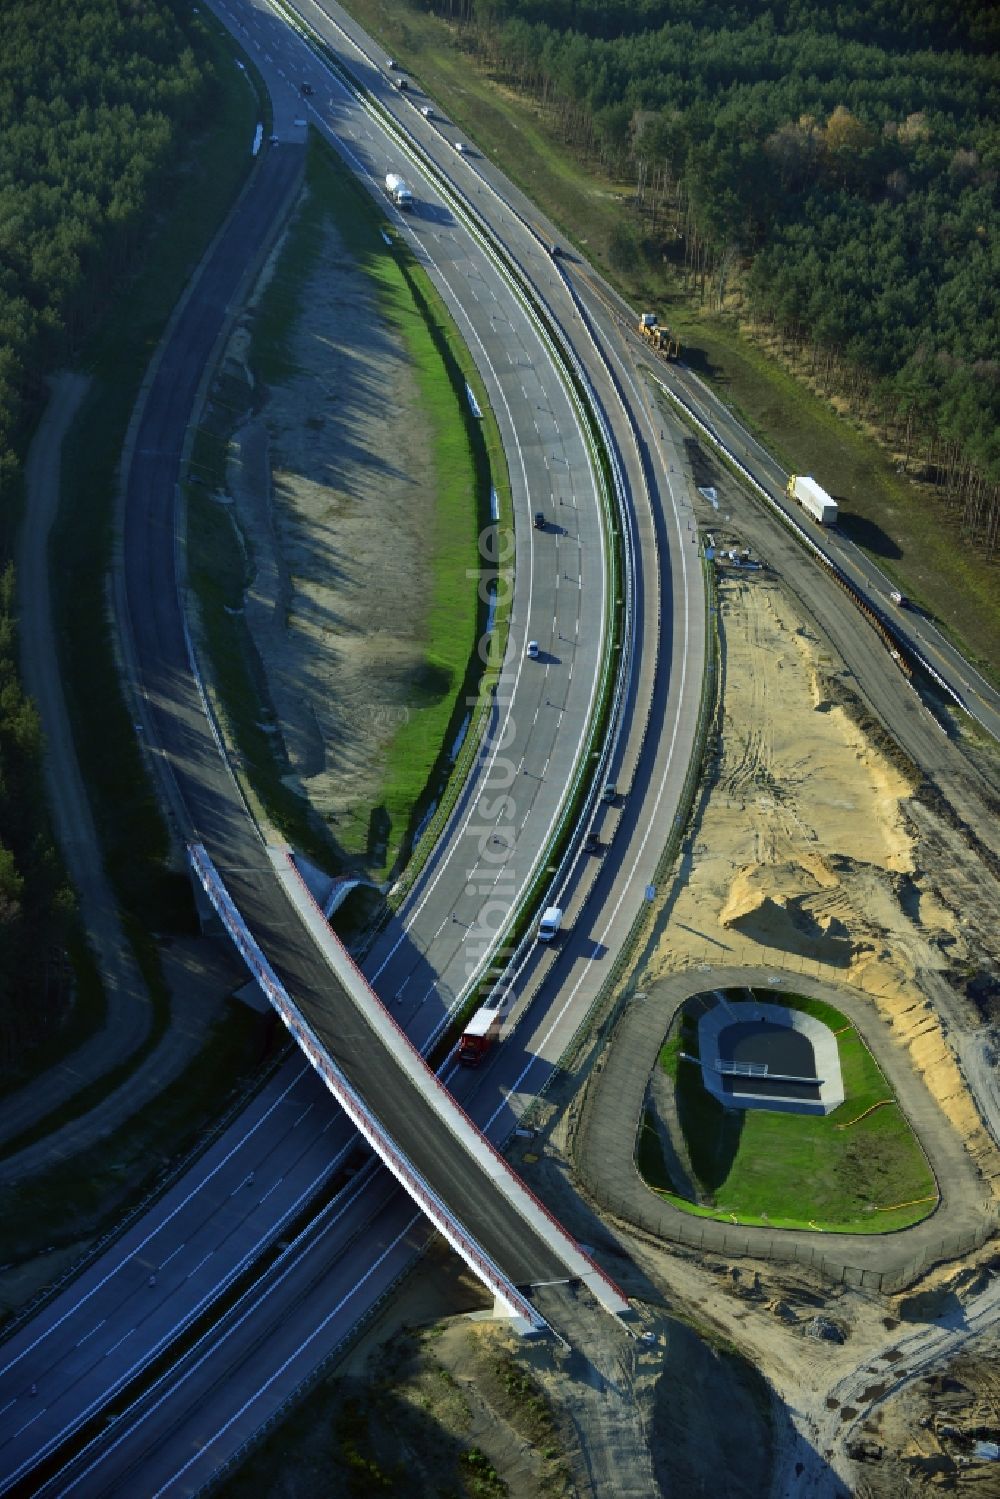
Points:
(213, 1219)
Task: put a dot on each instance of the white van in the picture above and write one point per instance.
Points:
(550, 923)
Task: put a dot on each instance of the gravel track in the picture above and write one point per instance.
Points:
(129, 1009)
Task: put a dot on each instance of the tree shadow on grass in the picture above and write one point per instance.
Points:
(702, 364)
(867, 534)
(379, 829)
(712, 1133)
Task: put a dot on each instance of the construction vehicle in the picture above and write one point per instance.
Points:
(481, 1033)
(398, 191)
(813, 498)
(661, 338)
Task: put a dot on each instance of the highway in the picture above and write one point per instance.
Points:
(241, 1193)
(918, 632)
(96, 1334)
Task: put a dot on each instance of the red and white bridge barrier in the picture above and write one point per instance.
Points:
(523, 1202)
(478, 1261)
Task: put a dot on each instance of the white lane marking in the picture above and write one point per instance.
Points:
(306, 1111)
(209, 1441)
(96, 1327)
(34, 1418)
(109, 1351)
(304, 1071)
(203, 1261)
(650, 823)
(307, 1193)
(172, 1255)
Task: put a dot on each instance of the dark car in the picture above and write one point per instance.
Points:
(307, 89)
(592, 844)
(539, 520)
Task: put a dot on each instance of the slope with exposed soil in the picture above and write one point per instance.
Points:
(808, 848)
(332, 482)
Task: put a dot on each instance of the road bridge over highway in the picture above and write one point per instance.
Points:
(208, 802)
(87, 1345)
(449, 1168)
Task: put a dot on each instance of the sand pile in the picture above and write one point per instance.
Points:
(804, 855)
(803, 842)
(777, 908)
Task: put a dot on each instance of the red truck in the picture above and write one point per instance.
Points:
(482, 1032)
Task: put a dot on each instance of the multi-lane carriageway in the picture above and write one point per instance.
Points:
(110, 1320)
(404, 1111)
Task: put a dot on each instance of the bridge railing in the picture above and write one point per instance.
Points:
(479, 1262)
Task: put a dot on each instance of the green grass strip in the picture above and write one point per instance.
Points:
(468, 460)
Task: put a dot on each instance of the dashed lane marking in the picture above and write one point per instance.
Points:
(90, 1334)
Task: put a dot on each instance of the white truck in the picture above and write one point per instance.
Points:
(548, 927)
(813, 498)
(398, 191)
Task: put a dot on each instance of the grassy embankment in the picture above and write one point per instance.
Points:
(467, 456)
(87, 1195)
(853, 1171)
(899, 523)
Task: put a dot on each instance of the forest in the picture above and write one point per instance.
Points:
(835, 167)
(94, 95)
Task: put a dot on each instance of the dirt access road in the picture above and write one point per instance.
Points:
(819, 845)
(129, 1010)
(198, 973)
(818, 849)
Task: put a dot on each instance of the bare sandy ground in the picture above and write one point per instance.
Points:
(933, 1435)
(332, 481)
(809, 848)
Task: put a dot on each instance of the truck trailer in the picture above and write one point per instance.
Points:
(482, 1032)
(398, 191)
(813, 498)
